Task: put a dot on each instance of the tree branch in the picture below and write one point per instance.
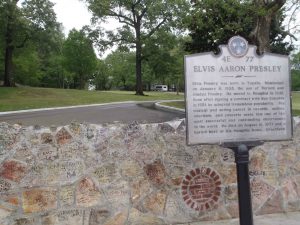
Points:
(143, 12)
(136, 3)
(156, 28)
(275, 5)
(120, 16)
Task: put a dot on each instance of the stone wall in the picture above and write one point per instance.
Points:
(114, 174)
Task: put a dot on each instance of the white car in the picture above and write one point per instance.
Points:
(161, 88)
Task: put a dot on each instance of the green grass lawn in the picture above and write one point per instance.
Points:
(32, 98)
(295, 104)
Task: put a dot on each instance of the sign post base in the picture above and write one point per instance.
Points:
(243, 181)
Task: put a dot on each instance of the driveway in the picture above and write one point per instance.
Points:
(122, 112)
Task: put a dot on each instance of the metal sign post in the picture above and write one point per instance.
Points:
(241, 152)
(244, 192)
(240, 99)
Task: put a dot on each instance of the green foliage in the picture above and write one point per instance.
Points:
(102, 79)
(295, 80)
(27, 67)
(139, 20)
(296, 61)
(296, 72)
(212, 23)
(79, 57)
(163, 55)
(121, 69)
(30, 29)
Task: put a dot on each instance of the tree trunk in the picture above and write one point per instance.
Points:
(8, 75)
(261, 34)
(81, 83)
(138, 61)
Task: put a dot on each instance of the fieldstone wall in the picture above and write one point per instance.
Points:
(85, 174)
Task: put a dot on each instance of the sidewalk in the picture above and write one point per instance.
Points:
(292, 218)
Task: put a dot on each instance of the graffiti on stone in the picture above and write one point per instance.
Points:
(177, 158)
(87, 194)
(98, 216)
(26, 221)
(155, 203)
(47, 138)
(201, 189)
(133, 130)
(257, 160)
(106, 173)
(70, 151)
(139, 188)
(36, 200)
(227, 155)
(56, 172)
(142, 153)
(118, 195)
(13, 170)
(4, 185)
(23, 153)
(90, 132)
(210, 156)
(68, 217)
(173, 209)
(47, 152)
(255, 173)
(130, 169)
(63, 136)
(176, 174)
(75, 128)
(66, 196)
(8, 138)
(156, 172)
(70, 171)
(260, 191)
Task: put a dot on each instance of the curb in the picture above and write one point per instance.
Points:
(159, 106)
(65, 107)
(90, 105)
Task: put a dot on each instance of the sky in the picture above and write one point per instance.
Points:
(72, 14)
(75, 14)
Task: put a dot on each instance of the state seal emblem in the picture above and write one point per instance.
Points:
(238, 46)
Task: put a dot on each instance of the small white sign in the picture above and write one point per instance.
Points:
(237, 96)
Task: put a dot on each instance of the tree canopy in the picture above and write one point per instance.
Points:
(79, 57)
(139, 20)
(151, 40)
(33, 20)
(212, 23)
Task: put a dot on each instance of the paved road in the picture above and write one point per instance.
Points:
(125, 112)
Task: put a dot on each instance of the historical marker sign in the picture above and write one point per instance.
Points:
(237, 96)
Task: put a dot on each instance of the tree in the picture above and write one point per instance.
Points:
(295, 71)
(121, 68)
(140, 19)
(79, 57)
(164, 54)
(101, 78)
(269, 11)
(213, 22)
(21, 24)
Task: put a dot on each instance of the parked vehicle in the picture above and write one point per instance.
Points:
(161, 88)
